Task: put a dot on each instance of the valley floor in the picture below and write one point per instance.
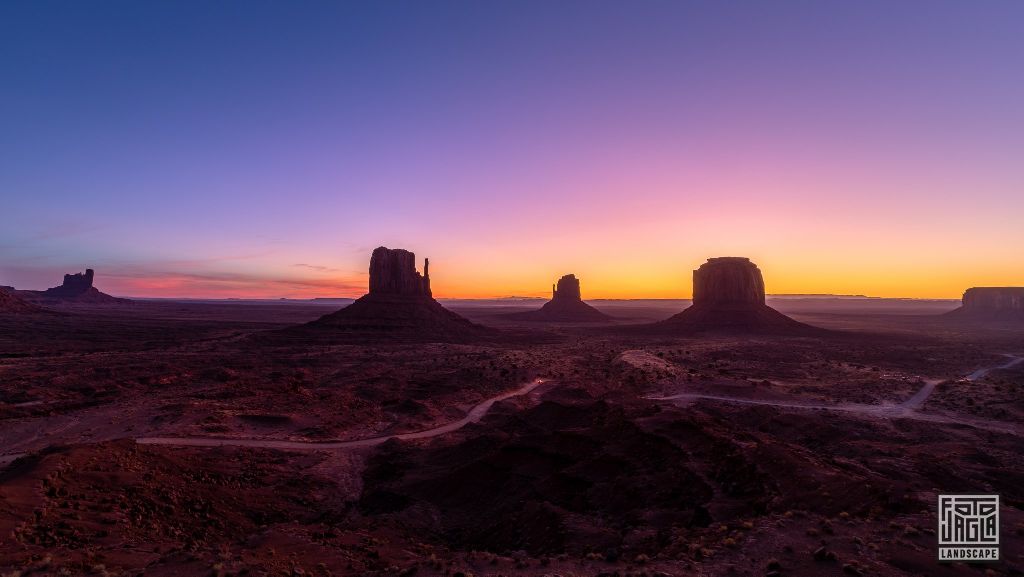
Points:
(170, 438)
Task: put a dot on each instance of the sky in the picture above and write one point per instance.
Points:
(258, 149)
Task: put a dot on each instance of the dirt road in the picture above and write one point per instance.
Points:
(907, 409)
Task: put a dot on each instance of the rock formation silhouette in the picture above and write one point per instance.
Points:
(565, 305)
(728, 296)
(394, 272)
(11, 303)
(992, 303)
(728, 282)
(567, 289)
(399, 305)
(74, 284)
(76, 288)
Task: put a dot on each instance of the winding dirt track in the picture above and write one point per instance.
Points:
(980, 373)
(474, 415)
(906, 409)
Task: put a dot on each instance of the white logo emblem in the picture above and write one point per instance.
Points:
(968, 527)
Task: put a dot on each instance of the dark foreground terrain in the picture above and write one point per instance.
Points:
(605, 451)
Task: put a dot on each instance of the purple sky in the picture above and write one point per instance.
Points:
(265, 148)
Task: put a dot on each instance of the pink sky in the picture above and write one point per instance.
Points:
(864, 148)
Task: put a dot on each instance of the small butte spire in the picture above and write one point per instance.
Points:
(426, 276)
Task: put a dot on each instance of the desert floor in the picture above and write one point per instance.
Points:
(199, 438)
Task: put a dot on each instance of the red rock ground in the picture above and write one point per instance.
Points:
(590, 474)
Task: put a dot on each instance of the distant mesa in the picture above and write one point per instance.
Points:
(11, 303)
(74, 285)
(728, 296)
(992, 303)
(76, 288)
(566, 305)
(399, 305)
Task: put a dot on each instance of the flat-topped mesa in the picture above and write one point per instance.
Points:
(393, 272)
(729, 281)
(566, 305)
(1006, 298)
(992, 303)
(728, 296)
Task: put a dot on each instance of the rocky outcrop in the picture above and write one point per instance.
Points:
(994, 303)
(566, 305)
(728, 296)
(393, 272)
(11, 303)
(566, 290)
(728, 281)
(76, 288)
(399, 306)
(74, 284)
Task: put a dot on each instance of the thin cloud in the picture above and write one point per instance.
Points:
(215, 284)
(162, 281)
(316, 267)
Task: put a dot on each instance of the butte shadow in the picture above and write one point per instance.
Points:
(729, 298)
(399, 306)
(565, 306)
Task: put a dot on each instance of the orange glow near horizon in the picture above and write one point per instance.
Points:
(639, 279)
(513, 143)
(637, 250)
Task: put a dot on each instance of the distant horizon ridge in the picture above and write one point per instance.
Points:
(539, 298)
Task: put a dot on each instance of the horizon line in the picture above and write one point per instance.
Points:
(536, 298)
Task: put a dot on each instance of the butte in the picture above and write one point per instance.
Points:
(399, 306)
(728, 297)
(991, 304)
(76, 288)
(565, 305)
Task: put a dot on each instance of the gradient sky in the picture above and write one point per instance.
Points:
(263, 149)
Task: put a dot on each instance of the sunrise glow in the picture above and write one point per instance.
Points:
(871, 148)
